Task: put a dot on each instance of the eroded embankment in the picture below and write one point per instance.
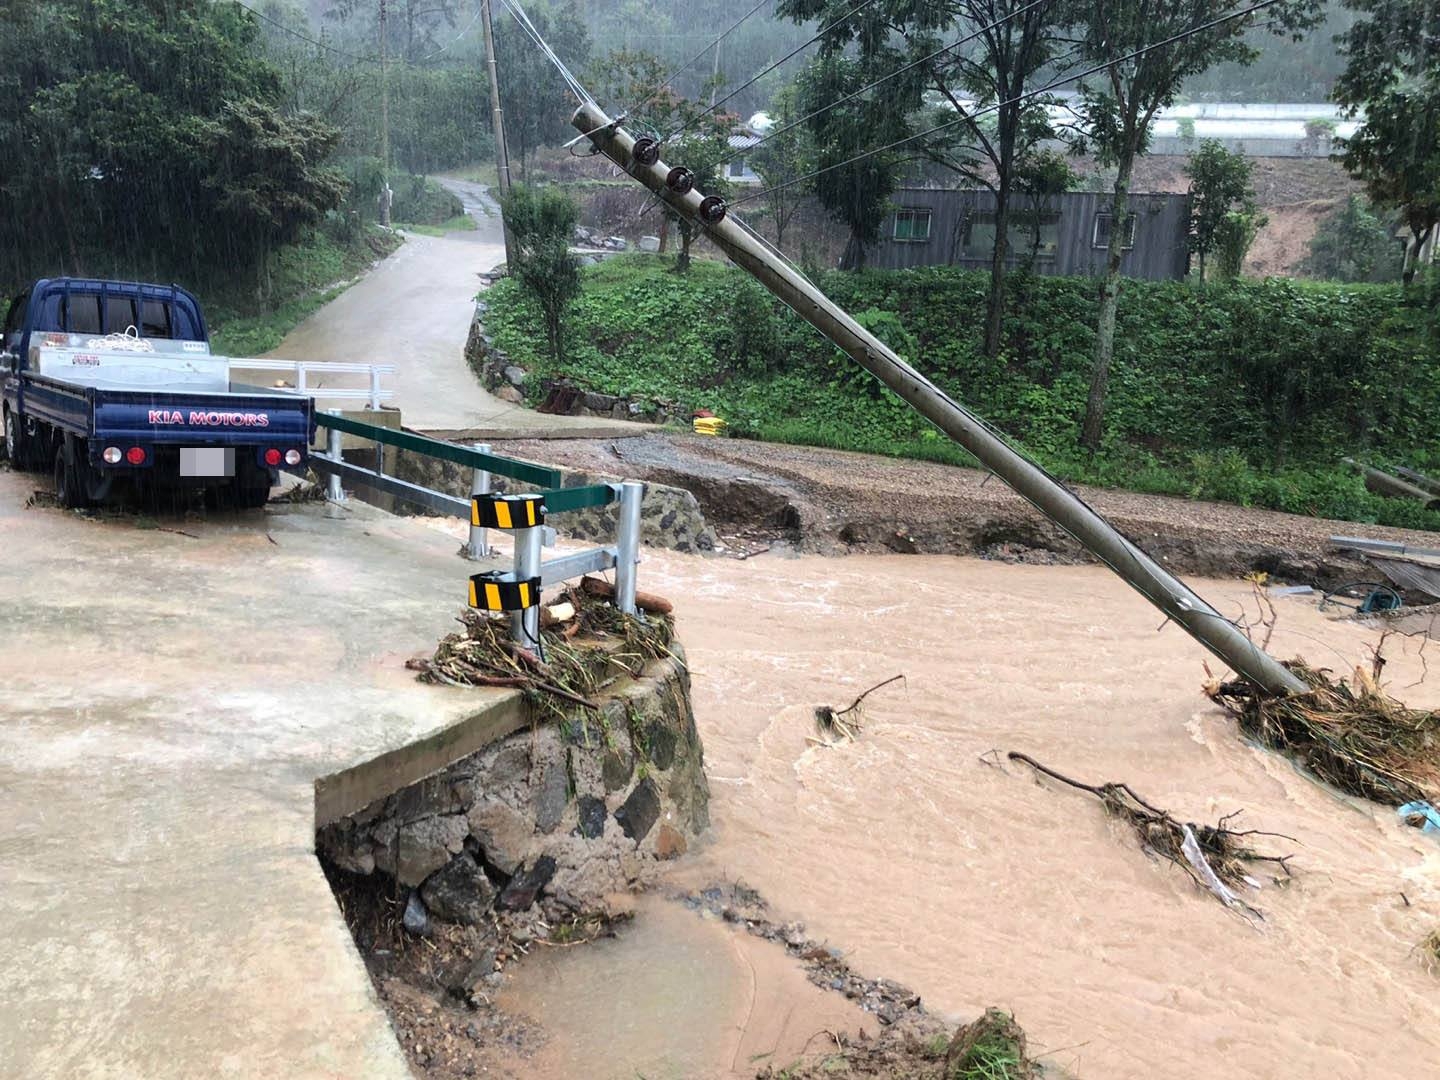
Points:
(834, 502)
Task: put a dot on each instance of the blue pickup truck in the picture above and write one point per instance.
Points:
(106, 381)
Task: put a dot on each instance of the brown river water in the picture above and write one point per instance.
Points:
(975, 885)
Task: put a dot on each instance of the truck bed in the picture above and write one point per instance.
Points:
(174, 415)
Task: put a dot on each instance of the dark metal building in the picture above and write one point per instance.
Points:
(1066, 234)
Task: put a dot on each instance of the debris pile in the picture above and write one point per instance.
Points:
(1352, 735)
(586, 643)
(1216, 857)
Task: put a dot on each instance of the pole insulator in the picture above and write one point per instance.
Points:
(646, 151)
(713, 209)
(503, 590)
(680, 180)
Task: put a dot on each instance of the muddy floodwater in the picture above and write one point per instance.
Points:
(976, 886)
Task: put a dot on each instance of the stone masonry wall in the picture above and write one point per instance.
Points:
(574, 810)
(670, 517)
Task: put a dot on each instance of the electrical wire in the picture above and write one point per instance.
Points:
(1190, 32)
(713, 45)
(518, 13)
(453, 41)
(761, 74)
(884, 79)
(305, 37)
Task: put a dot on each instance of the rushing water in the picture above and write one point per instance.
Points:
(975, 885)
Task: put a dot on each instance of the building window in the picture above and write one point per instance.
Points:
(912, 226)
(978, 240)
(737, 167)
(1103, 223)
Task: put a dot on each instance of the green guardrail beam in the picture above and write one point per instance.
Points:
(562, 500)
(523, 471)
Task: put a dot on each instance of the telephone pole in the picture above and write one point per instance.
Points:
(384, 120)
(1197, 618)
(497, 120)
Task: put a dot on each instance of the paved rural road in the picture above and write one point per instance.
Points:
(414, 311)
(171, 696)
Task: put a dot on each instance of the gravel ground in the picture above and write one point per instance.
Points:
(833, 501)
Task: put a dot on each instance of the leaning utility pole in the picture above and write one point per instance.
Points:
(641, 159)
(497, 117)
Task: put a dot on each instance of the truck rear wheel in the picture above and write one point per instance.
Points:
(251, 487)
(17, 446)
(69, 487)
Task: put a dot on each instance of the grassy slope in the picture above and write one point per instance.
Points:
(1181, 421)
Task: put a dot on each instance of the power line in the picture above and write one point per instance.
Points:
(761, 74)
(453, 41)
(518, 13)
(898, 71)
(713, 45)
(305, 37)
(1190, 32)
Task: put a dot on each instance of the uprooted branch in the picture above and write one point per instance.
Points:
(846, 722)
(1215, 856)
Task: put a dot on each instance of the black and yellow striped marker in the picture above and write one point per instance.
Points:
(507, 511)
(499, 590)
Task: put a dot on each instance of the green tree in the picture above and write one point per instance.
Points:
(541, 222)
(981, 86)
(536, 102)
(1117, 109)
(147, 137)
(855, 193)
(1353, 244)
(1040, 179)
(1392, 73)
(1219, 184)
(1234, 234)
(783, 160)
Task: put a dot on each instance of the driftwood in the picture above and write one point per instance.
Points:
(657, 605)
(1216, 857)
(846, 722)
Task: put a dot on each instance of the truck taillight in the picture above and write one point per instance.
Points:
(135, 455)
(292, 457)
(272, 457)
(112, 455)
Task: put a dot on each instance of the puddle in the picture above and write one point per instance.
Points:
(675, 995)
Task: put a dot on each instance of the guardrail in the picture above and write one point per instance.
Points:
(497, 591)
(373, 393)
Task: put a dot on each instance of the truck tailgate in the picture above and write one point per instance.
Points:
(184, 416)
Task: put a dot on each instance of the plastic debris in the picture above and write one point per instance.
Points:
(1422, 815)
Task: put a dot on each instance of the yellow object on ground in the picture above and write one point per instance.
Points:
(709, 425)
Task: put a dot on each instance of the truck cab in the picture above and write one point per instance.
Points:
(111, 380)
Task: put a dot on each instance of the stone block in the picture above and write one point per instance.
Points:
(459, 891)
(641, 809)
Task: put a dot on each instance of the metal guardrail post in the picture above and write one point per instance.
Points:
(479, 545)
(374, 389)
(628, 545)
(333, 491)
(525, 625)
(300, 378)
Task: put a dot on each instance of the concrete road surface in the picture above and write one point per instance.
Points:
(168, 699)
(414, 311)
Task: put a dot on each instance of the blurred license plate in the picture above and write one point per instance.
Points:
(207, 461)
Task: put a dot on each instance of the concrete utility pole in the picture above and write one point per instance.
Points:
(1051, 498)
(497, 116)
(384, 120)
